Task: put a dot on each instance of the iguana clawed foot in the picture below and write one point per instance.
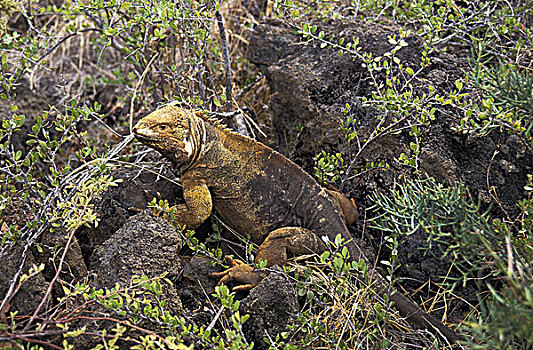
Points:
(240, 272)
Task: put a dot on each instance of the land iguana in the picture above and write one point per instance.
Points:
(260, 193)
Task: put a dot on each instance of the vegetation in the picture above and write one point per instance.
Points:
(75, 75)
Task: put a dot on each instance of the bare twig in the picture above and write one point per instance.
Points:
(51, 284)
(139, 83)
(31, 340)
(61, 41)
(217, 316)
(227, 61)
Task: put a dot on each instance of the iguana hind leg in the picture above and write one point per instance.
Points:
(346, 207)
(288, 240)
(275, 250)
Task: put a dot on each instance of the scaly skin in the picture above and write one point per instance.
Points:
(260, 193)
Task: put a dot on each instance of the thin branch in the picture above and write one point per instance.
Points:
(139, 83)
(51, 284)
(61, 41)
(227, 62)
(31, 340)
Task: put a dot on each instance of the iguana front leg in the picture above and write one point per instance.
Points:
(274, 250)
(198, 204)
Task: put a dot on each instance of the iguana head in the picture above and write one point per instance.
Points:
(172, 131)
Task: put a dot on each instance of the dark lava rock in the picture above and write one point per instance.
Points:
(272, 306)
(31, 292)
(196, 276)
(119, 203)
(310, 86)
(145, 245)
(53, 245)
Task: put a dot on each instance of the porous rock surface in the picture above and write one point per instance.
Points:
(145, 245)
(310, 86)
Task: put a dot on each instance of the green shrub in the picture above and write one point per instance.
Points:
(471, 242)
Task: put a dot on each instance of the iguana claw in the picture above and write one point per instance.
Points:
(240, 272)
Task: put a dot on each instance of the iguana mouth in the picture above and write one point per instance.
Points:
(143, 138)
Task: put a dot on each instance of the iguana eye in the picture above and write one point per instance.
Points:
(162, 127)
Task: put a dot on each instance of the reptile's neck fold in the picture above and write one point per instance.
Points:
(197, 141)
